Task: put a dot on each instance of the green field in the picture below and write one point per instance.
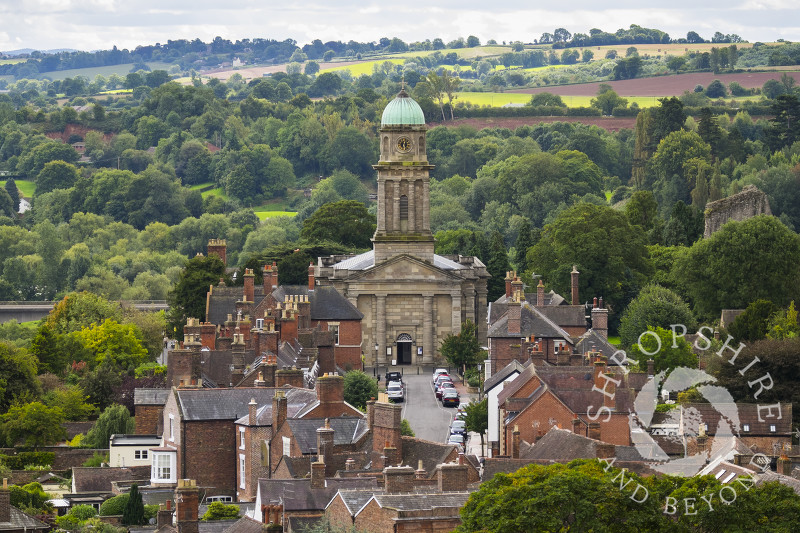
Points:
(366, 67)
(121, 70)
(11, 61)
(28, 188)
(263, 213)
(501, 99)
(219, 191)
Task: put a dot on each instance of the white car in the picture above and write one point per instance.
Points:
(438, 372)
(395, 391)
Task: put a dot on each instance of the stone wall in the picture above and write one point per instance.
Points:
(746, 204)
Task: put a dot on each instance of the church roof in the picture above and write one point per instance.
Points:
(367, 260)
(402, 111)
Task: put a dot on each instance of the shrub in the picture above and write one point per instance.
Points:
(114, 506)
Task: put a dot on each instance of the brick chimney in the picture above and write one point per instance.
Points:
(391, 457)
(420, 472)
(574, 276)
(318, 473)
(518, 290)
(577, 426)
(514, 318)
(540, 294)
(5, 502)
(515, 440)
(311, 276)
(278, 410)
(330, 393)
(326, 356)
(398, 479)
(651, 367)
(594, 430)
(385, 425)
(289, 376)
(370, 413)
(784, 465)
(219, 248)
(252, 408)
(600, 320)
(325, 440)
(187, 498)
(269, 364)
(604, 450)
(509, 279)
(270, 277)
(249, 287)
(164, 517)
(452, 477)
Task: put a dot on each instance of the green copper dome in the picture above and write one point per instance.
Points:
(402, 111)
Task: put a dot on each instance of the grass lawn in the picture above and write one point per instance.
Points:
(201, 186)
(275, 208)
(121, 70)
(613, 340)
(27, 187)
(218, 191)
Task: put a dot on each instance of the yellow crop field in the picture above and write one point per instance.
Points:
(501, 99)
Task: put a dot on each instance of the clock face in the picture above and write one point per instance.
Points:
(403, 144)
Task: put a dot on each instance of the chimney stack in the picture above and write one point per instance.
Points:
(325, 440)
(218, 247)
(187, 497)
(311, 276)
(252, 410)
(600, 321)
(452, 477)
(278, 410)
(574, 276)
(515, 440)
(509, 279)
(5, 502)
(514, 318)
(540, 294)
(397, 479)
(164, 517)
(318, 473)
(249, 287)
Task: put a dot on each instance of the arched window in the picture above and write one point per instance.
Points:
(404, 207)
(385, 144)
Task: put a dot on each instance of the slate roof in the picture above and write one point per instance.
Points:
(296, 400)
(503, 374)
(430, 453)
(23, 522)
(98, 479)
(355, 500)
(593, 341)
(227, 404)
(766, 477)
(346, 430)
(422, 502)
(297, 494)
(326, 302)
(532, 323)
(222, 302)
(135, 440)
(245, 525)
(562, 446)
(214, 526)
(150, 396)
(516, 384)
(505, 465)
(694, 413)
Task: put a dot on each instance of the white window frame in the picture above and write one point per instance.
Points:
(241, 439)
(172, 427)
(773, 428)
(140, 455)
(287, 446)
(242, 470)
(162, 468)
(334, 327)
(745, 427)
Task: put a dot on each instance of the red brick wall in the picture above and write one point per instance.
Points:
(253, 437)
(338, 514)
(276, 445)
(147, 419)
(374, 519)
(211, 442)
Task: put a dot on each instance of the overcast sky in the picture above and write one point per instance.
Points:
(102, 24)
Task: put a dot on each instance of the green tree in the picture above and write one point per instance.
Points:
(115, 506)
(405, 428)
(17, 375)
(133, 515)
(33, 424)
(642, 210)
(783, 324)
(752, 325)
(667, 353)
(114, 419)
(607, 99)
(347, 222)
(497, 266)
(76, 517)
(13, 192)
(546, 99)
(477, 419)
(221, 511)
(724, 272)
(609, 253)
(462, 349)
(188, 298)
(56, 175)
(525, 240)
(654, 306)
(71, 400)
(113, 344)
(359, 388)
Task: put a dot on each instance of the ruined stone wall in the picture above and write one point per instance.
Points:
(748, 203)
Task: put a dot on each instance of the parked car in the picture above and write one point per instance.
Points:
(438, 372)
(450, 398)
(442, 387)
(395, 391)
(456, 439)
(458, 427)
(394, 376)
(442, 378)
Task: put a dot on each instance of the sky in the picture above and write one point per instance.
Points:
(102, 24)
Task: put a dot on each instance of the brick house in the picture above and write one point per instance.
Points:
(148, 405)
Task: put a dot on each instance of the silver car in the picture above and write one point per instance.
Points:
(395, 391)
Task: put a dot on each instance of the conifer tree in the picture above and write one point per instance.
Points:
(497, 266)
(133, 515)
(13, 192)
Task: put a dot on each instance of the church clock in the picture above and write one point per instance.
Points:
(404, 145)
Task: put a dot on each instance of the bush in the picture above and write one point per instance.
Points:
(405, 429)
(24, 459)
(220, 511)
(114, 506)
(359, 388)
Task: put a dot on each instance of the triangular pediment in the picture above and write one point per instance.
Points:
(406, 268)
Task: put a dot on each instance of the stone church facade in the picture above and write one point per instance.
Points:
(411, 298)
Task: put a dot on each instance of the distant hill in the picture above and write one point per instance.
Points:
(26, 51)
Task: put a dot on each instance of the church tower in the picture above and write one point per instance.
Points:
(403, 183)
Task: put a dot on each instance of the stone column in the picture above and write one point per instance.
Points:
(456, 302)
(471, 304)
(426, 206)
(381, 205)
(380, 327)
(428, 321)
(412, 206)
(396, 204)
(482, 314)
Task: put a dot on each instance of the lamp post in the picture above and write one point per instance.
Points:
(375, 368)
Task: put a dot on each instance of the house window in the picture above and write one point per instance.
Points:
(241, 471)
(171, 428)
(746, 427)
(259, 323)
(241, 438)
(140, 454)
(772, 428)
(335, 329)
(287, 446)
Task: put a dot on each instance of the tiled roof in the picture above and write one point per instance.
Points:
(565, 315)
(150, 396)
(711, 415)
(516, 384)
(766, 477)
(532, 323)
(214, 526)
(296, 400)
(297, 494)
(98, 479)
(355, 500)
(245, 525)
(226, 404)
(22, 522)
(505, 465)
(502, 375)
(593, 341)
(222, 302)
(326, 302)
(135, 440)
(422, 502)
(346, 430)
(430, 453)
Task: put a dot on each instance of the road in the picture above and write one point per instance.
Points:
(428, 419)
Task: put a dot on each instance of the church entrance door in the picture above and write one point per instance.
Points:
(404, 349)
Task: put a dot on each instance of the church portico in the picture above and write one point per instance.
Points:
(411, 298)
